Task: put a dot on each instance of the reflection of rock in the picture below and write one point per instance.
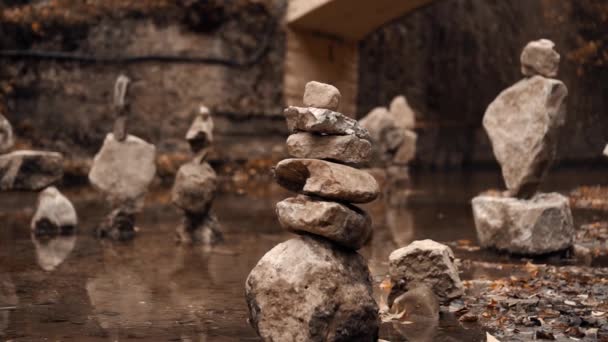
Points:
(54, 213)
(8, 298)
(6, 135)
(30, 170)
(305, 289)
(124, 169)
(429, 263)
(542, 224)
(400, 222)
(419, 304)
(424, 331)
(51, 252)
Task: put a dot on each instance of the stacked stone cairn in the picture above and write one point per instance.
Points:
(316, 287)
(392, 135)
(196, 184)
(523, 124)
(122, 170)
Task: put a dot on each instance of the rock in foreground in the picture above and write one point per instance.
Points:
(327, 180)
(342, 148)
(305, 289)
(194, 187)
(30, 170)
(54, 213)
(539, 225)
(428, 263)
(539, 58)
(322, 121)
(124, 169)
(348, 226)
(321, 95)
(523, 124)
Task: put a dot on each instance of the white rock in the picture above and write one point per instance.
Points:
(305, 289)
(402, 113)
(200, 133)
(54, 208)
(425, 262)
(321, 95)
(539, 225)
(523, 124)
(50, 253)
(124, 170)
(539, 58)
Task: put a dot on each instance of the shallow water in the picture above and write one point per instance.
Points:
(83, 289)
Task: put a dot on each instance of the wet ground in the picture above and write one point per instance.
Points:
(82, 289)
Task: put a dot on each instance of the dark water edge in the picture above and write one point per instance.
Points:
(83, 289)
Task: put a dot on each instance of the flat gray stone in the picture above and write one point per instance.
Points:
(540, 58)
(54, 209)
(30, 170)
(194, 188)
(6, 135)
(540, 225)
(523, 124)
(346, 225)
(305, 289)
(425, 262)
(321, 95)
(342, 148)
(322, 121)
(327, 180)
(200, 133)
(123, 170)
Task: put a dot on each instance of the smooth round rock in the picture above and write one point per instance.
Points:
(194, 188)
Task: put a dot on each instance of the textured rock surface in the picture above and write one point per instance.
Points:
(391, 142)
(54, 210)
(305, 289)
(30, 170)
(321, 95)
(194, 188)
(539, 58)
(124, 170)
(342, 148)
(402, 113)
(200, 133)
(425, 262)
(419, 303)
(327, 180)
(325, 121)
(118, 225)
(6, 135)
(523, 124)
(348, 226)
(540, 225)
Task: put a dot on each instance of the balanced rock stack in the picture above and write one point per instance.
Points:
(523, 124)
(195, 185)
(391, 131)
(319, 273)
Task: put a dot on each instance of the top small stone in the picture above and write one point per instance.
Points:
(540, 58)
(321, 95)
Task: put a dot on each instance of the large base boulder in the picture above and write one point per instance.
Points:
(428, 263)
(30, 170)
(540, 225)
(124, 169)
(305, 289)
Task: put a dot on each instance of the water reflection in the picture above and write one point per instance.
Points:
(8, 302)
(52, 251)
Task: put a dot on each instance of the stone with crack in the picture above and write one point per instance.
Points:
(341, 148)
(322, 121)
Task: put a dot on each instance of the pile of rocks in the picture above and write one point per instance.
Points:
(122, 170)
(317, 287)
(196, 184)
(25, 169)
(391, 131)
(523, 124)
